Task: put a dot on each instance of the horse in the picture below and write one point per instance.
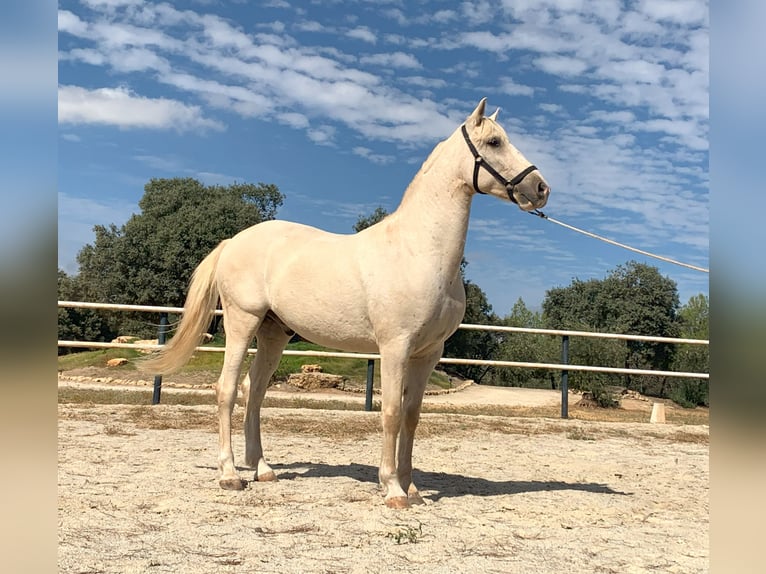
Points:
(394, 288)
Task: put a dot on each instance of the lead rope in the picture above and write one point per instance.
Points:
(541, 215)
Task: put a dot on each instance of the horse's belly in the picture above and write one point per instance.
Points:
(329, 310)
(335, 326)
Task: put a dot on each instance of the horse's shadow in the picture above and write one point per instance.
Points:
(443, 485)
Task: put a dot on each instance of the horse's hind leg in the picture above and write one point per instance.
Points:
(272, 339)
(240, 327)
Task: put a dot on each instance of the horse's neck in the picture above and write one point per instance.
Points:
(435, 209)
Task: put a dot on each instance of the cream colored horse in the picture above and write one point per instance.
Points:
(393, 288)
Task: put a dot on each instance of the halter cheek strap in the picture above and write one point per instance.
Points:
(479, 162)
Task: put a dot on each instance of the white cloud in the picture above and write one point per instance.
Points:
(111, 4)
(632, 71)
(392, 60)
(620, 117)
(322, 135)
(294, 120)
(369, 154)
(444, 16)
(362, 33)
(552, 108)
(678, 11)
(561, 65)
(508, 86)
(309, 26)
(478, 12)
(424, 82)
(122, 108)
(71, 23)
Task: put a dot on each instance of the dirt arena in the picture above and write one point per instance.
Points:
(138, 493)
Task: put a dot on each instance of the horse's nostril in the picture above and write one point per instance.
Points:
(542, 187)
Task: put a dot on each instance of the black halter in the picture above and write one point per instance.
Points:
(509, 184)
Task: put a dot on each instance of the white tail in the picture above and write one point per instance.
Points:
(199, 307)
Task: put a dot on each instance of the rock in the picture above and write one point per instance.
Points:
(146, 342)
(312, 381)
(116, 362)
(630, 394)
(311, 368)
(124, 339)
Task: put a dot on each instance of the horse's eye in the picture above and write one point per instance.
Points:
(494, 142)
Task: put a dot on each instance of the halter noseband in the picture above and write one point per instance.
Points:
(509, 184)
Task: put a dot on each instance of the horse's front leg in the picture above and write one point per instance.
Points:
(392, 371)
(418, 372)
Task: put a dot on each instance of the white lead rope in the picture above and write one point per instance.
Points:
(540, 214)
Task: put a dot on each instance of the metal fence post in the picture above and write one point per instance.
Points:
(564, 377)
(368, 395)
(161, 340)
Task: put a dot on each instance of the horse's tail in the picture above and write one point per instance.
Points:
(199, 307)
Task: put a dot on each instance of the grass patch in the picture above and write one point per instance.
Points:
(406, 534)
(578, 433)
(107, 396)
(98, 358)
(207, 365)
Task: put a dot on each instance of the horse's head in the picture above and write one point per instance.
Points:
(497, 167)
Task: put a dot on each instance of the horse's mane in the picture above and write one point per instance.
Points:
(432, 157)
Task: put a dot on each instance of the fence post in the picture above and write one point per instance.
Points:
(564, 377)
(161, 340)
(368, 395)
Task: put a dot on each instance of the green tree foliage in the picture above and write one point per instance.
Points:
(633, 299)
(525, 347)
(467, 344)
(640, 301)
(76, 324)
(365, 221)
(149, 260)
(694, 324)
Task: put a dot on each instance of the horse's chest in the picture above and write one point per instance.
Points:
(439, 311)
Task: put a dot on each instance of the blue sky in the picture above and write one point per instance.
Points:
(338, 104)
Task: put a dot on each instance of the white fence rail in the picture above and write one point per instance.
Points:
(564, 367)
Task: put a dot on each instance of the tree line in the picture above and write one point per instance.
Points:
(149, 261)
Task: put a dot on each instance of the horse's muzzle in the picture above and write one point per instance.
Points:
(532, 193)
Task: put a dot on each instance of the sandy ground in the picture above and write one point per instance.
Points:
(138, 493)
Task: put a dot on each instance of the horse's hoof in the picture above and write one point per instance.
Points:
(415, 498)
(266, 477)
(231, 484)
(398, 502)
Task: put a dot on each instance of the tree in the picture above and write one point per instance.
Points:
(77, 324)
(633, 299)
(363, 222)
(640, 301)
(524, 347)
(149, 260)
(694, 320)
(473, 344)
(577, 307)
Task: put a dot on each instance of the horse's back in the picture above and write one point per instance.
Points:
(308, 277)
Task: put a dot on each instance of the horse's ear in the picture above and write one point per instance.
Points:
(493, 117)
(478, 114)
